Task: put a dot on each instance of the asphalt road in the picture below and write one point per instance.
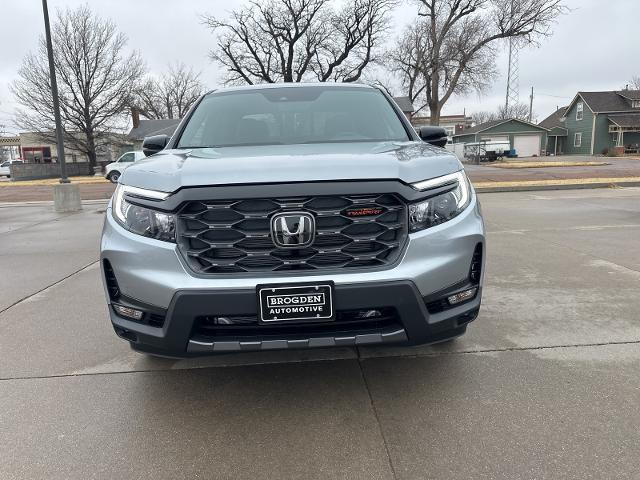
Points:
(544, 385)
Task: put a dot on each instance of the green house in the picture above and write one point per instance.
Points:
(598, 122)
(557, 136)
(525, 138)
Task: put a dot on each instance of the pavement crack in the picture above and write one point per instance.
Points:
(376, 416)
(512, 349)
(57, 282)
(581, 252)
(60, 217)
(359, 359)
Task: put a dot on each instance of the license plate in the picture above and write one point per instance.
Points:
(289, 303)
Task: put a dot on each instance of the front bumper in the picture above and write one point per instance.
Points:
(153, 276)
(411, 323)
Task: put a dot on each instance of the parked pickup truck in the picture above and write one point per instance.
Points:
(5, 171)
(114, 170)
(292, 216)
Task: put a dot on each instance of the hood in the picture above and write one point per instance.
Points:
(409, 162)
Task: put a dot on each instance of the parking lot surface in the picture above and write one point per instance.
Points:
(544, 385)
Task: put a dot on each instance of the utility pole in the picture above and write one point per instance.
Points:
(54, 92)
(531, 105)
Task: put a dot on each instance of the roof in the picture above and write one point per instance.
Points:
(494, 123)
(626, 119)
(147, 128)
(613, 101)
(404, 103)
(630, 94)
(558, 132)
(482, 127)
(553, 120)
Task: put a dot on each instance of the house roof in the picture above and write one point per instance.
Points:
(553, 120)
(494, 123)
(613, 101)
(404, 103)
(147, 128)
(481, 127)
(558, 132)
(605, 101)
(625, 119)
(630, 94)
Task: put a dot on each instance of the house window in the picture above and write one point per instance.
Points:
(577, 139)
(579, 111)
(635, 104)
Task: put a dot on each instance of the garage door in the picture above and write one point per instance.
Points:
(527, 145)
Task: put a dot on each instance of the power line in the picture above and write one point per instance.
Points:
(549, 95)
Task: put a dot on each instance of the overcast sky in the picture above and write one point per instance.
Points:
(595, 47)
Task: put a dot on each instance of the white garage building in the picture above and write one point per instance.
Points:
(527, 139)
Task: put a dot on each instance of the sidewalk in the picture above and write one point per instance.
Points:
(622, 171)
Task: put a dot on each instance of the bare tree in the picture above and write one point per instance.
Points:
(451, 48)
(519, 111)
(171, 95)
(297, 40)
(95, 78)
(483, 116)
(634, 84)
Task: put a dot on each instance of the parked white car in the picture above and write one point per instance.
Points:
(114, 170)
(4, 167)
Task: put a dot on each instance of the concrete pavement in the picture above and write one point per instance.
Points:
(544, 384)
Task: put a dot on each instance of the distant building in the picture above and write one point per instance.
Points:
(147, 128)
(34, 147)
(598, 122)
(405, 105)
(557, 136)
(525, 138)
(452, 124)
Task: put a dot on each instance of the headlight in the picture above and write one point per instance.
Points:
(141, 220)
(442, 207)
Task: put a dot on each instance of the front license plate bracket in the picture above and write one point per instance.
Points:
(309, 302)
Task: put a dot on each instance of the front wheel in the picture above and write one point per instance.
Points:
(113, 177)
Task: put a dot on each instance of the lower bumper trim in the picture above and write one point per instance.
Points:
(197, 346)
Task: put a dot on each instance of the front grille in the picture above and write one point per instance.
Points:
(234, 235)
(247, 326)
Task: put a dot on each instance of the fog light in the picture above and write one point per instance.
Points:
(462, 296)
(128, 312)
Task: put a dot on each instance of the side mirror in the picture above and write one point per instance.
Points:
(434, 135)
(154, 144)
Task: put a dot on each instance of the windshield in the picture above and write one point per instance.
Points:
(295, 115)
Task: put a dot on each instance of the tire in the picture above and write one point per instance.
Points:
(113, 177)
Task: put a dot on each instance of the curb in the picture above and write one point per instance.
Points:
(564, 186)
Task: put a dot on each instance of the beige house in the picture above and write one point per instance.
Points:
(452, 124)
(35, 149)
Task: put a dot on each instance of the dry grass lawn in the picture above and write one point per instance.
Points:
(568, 181)
(53, 181)
(547, 164)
